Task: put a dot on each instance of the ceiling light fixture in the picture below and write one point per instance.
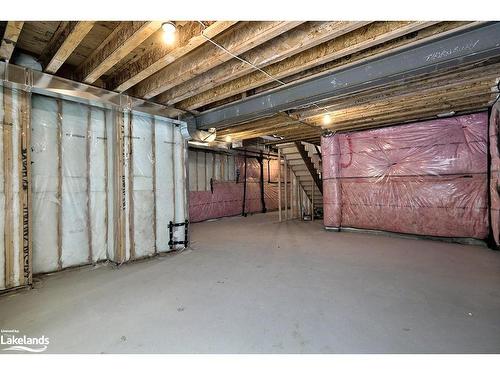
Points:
(169, 31)
(327, 119)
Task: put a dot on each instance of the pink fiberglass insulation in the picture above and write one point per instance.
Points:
(495, 174)
(427, 178)
(226, 199)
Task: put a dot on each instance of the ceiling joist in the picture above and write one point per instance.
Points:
(366, 37)
(299, 39)
(125, 38)
(64, 41)
(243, 37)
(9, 40)
(189, 37)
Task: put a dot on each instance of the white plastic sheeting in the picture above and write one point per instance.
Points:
(73, 174)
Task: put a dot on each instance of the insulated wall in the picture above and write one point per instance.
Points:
(427, 178)
(95, 184)
(495, 174)
(220, 183)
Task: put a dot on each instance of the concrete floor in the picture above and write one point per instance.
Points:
(251, 285)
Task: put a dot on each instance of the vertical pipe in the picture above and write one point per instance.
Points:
(292, 195)
(244, 186)
(179, 181)
(286, 186)
(106, 182)
(174, 188)
(279, 184)
(153, 162)
(262, 193)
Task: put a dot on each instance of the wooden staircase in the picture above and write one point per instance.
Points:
(304, 161)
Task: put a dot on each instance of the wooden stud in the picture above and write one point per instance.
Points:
(120, 187)
(26, 201)
(131, 185)
(8, 188)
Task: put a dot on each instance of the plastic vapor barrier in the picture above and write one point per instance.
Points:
(426, 178)
(212, 197)
(495, 174)
(104, 185)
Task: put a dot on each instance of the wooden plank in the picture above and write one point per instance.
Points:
(369, 36)
(124, 39)
(131, 185)
(26, 258)
(190, 37)
(120, 203)
(244, 37)
(64, 41)
(8, 188)
(9, 40)
(307, 35)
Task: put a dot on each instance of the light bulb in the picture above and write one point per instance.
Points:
(169, 31)
(327, 119)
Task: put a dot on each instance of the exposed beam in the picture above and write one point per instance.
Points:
(67, 37)
(299, 39)
(364, 38)
(9, 40)
(244, 37)
(445, 79)
(453, 50)
(189, 37)
(123, 40)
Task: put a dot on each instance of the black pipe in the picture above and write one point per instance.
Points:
(243, 213)
(262, 196)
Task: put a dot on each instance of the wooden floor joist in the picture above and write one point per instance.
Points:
(189, 37)
(125, 38)
(243, 37)
(9, 40)
(305, 36)
(364, 38)
(63, 43)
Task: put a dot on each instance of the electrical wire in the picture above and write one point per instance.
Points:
(260, 70)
